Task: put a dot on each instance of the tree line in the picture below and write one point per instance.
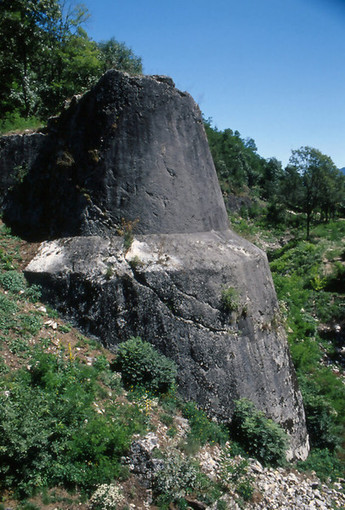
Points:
(47, 56)
(310, 184)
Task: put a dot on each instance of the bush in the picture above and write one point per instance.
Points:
(14, 122)
(324, 463)
(142, 366)
(51, 433)
(260, 436)
(13, 281)
(8, 311)
(202, 429)
(231, 299)
(177, 477)
(106, 497)
(234, 474)
(33, 293)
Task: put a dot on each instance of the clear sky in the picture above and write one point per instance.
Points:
(272, 69)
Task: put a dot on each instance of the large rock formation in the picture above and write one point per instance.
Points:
(127, 175)
(132, 149)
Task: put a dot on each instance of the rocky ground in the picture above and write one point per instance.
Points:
(274, 488)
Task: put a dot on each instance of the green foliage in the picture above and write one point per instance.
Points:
(33, 293)
(13, 281)
(14, 122)
(177, 478)
(101, 364)
(312, 183)
(320, 420)
(203, 429)
(8, 310)
(231, 299)
(51, 433)
(236, 160)
(141, 365)
(234, 474)
(323, 462)
(115, 55)
(46, 56)
(260, 436)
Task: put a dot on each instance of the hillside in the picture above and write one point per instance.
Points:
(44, 355)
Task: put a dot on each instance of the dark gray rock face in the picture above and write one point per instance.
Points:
(168, 290)
(17, 155)
(133, 152)
(132, 149)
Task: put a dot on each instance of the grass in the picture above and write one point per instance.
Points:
(14, 123)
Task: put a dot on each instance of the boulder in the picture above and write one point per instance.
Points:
(124, 191)
(132, 150)
(170, 290)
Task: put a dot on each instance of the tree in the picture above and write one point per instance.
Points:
(236, 160)
(270, 178)
(46, 56)
(308, 183)
(25, 27)
(115, 55)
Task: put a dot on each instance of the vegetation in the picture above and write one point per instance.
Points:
(261, 437)
(142, 366)
(231, 299)
(311, 290)
(46, 57)
(310, 186)
(66, 423)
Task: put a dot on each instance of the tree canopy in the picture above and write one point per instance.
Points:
(310, 185)
(47, 56)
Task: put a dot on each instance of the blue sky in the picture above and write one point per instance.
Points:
(272, 69)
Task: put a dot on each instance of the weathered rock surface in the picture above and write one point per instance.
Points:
(17, 155)
(133, 148)
(168, 290)
(131, 156)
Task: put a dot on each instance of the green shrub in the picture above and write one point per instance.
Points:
(101, 364)
(260, 436)
(324, 463)
(177, 477)
(234, 474)
(18, 345)
(231, 299)
(51, 433)
(33, 293)
(15, 122)
(29, 324)
(141, 365)
(8, 311)
(323, 395)
(203, 430)
(305, 354)
(13, 281)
